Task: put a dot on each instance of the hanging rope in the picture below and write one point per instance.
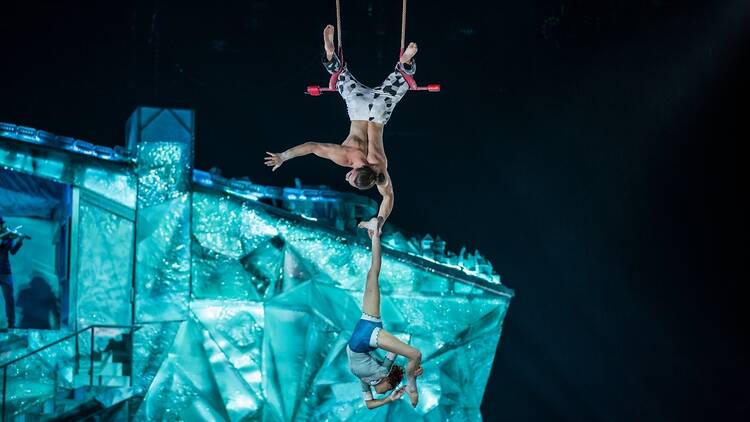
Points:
(403, 27)
(316, 90)
(338, 21)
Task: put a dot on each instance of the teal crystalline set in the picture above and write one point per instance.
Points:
(234, 309)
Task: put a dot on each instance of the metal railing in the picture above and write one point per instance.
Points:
(92, 328)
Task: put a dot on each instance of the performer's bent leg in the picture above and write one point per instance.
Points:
(390, 92)
(389, 342)
(395, 86)
(333, 65)
(355, 94)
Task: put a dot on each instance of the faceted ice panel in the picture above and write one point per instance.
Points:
(441, 317)
(163, 172)
(337, 306)
(237, 329)
(162, 140)
(343, 263)
(206, 373)
(151, 343)
(239, 399)
(263, 302)
(218, 277)
(185, 387)
(334, 369)
(163, 261)
(117, 186)
(104, 265)
(311, 283)
(229, 226)
(479, 355)
(237, 253)
(295, 346)
(265, 264)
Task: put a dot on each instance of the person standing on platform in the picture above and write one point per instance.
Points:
(10, 243)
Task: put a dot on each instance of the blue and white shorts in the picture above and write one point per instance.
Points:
(364, 338)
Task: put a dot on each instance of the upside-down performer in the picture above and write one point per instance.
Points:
(369, 110)
(368, 335)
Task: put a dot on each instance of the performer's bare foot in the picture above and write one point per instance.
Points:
(328, 41)
(411, 51)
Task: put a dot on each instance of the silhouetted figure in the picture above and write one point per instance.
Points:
(10, 243)
(37, 302)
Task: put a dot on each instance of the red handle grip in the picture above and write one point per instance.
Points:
(433, 87)
(313, 90)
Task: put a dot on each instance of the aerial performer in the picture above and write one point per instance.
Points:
(369, 335)
(369, 110)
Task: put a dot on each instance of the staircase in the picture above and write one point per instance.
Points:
(86, 375)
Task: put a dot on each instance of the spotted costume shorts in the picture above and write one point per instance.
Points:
(370, 104)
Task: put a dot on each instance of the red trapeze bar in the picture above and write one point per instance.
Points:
(413, 84)
(316, 90)
(409, 78)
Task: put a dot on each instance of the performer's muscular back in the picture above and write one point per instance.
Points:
(356, 143)
(367, 137)
(375, 149)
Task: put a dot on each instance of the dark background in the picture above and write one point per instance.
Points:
(589, 148)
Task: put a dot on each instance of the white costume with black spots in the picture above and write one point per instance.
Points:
(370, 104)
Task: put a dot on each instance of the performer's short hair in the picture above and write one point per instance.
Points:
(367, 177)
(395, 376)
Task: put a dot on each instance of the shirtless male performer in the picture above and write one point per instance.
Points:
(369, 110)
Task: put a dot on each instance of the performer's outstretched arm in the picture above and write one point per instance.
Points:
(395, 395)
(334, 152)
(386, 205)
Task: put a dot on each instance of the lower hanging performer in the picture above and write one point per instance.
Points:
(369, 335)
